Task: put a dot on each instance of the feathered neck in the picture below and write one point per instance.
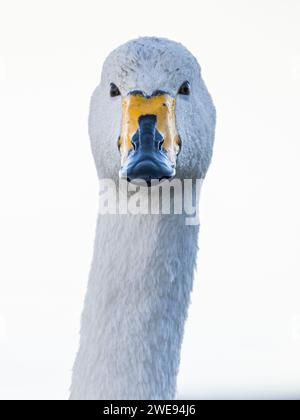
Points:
(135, 307)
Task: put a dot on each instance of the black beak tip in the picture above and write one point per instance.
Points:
(140, 177)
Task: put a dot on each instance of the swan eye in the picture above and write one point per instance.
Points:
(184, 89)
(114, 90)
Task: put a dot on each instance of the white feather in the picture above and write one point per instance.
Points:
(142, 271)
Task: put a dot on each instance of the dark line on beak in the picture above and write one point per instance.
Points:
(157, 92)
(137, 93)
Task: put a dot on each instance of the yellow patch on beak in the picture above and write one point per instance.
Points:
(163, 107)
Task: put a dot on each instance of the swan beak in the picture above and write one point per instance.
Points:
(149, 142)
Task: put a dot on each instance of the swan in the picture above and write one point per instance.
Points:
(151, 117)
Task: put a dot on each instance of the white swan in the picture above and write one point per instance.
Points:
(142, 270)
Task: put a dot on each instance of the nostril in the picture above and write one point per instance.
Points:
(159, 140)
(134, 141)
(160, 144)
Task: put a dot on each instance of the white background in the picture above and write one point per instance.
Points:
(243, 334)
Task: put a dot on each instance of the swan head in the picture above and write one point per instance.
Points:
(151, 116)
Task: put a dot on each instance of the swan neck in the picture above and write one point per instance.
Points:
(135, 307)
